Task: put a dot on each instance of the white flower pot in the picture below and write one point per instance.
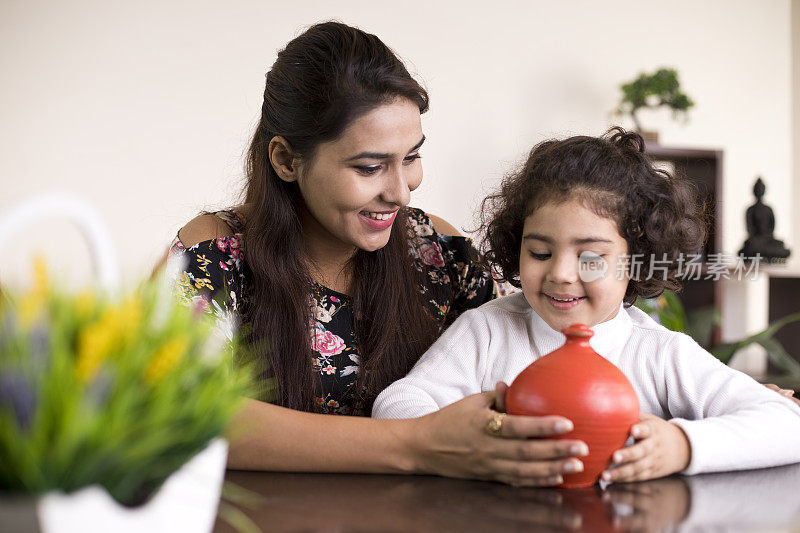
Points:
(186, 502)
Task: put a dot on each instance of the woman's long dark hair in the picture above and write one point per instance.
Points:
(319, 84)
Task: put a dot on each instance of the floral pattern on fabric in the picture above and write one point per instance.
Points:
(454, 282)
(212, 266)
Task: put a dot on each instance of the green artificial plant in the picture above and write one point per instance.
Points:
(116, 391)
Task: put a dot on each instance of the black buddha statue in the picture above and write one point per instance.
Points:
(760, 224)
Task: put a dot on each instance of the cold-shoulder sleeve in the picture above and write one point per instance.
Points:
(212, 275)
(455, 278)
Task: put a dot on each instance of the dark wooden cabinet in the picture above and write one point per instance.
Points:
(784, 299)
(703, 168)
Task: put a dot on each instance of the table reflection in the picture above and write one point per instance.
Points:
(755, 500)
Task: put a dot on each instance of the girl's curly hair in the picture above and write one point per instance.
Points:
(656, 213)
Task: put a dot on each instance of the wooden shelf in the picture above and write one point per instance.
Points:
(789, 270)
(658, 152)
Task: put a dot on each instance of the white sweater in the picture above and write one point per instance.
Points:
(732, 422)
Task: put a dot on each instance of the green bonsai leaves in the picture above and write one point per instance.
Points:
(661, 88)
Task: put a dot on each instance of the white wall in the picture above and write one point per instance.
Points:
(795, 91)
(145, 108)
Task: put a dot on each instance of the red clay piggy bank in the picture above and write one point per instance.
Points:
(574, 381)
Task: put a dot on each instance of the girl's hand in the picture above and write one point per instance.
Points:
(454, 442)
(788, 393)
(661, 449)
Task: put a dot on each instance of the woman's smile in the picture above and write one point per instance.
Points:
(378, 220)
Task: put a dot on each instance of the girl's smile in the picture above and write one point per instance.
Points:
(557, 237)
(562, 302)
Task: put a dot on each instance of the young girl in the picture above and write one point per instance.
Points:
(565, 229)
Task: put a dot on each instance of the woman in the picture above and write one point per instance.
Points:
(342, 286)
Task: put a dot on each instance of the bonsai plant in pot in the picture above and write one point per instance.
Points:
(661, 88)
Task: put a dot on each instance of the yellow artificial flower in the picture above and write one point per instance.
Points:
(33, 302)
(129, 318)
(94, 345)
(166, 358)
(41, 280)
(115, 328)
(84, 304)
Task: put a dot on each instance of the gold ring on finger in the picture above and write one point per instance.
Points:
(495, 424)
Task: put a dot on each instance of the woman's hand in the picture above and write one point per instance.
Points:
(500, 389)
(454, 442)
(661, 449)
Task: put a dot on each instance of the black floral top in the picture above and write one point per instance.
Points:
(454, 283)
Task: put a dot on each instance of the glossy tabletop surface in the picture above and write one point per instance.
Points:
(757, 500)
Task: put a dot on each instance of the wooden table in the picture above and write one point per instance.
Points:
(757, 500)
